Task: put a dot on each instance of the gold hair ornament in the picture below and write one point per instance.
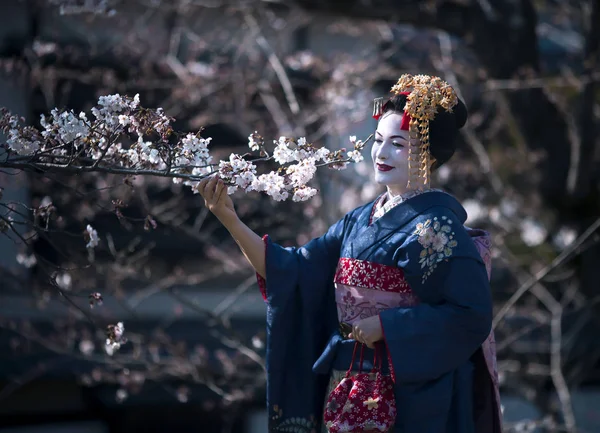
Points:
(426, 94)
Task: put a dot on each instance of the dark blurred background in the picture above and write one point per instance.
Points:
(527, 170)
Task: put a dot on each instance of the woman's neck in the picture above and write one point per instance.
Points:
(401, 190)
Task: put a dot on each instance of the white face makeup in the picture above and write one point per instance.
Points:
(390, 154)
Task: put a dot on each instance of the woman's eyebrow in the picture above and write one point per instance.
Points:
(392, 136)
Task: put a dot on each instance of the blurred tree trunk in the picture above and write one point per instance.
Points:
(586, 184)
(14, 95)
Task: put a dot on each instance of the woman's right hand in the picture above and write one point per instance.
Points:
(216, 199)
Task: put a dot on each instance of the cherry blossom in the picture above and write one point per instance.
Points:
(92, 237)
(123, 137)
(114, 337)
(95, 299)
(28, 261)
(304, 193)
(255, 142)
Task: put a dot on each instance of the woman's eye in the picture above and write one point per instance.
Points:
(398, 144)
(379, 141)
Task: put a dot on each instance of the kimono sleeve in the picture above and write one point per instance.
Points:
(444, 268)
(301, 314)
(306, 268)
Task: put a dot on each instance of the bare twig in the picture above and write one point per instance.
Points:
(559, 260)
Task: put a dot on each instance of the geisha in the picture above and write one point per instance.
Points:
(401, 272)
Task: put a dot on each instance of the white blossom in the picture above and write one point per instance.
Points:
(28, 261)
(64, 280)
(257, 342)
(322, 154)
(110, 349)
(115, 338)
(117, 117)
(252, 144)
(121, 395)
(565, 237)
(124, 120)
(304, 193)
(183, 394)
(195, 149)
(533, 233)
(303, 172)
(356, 156)
(245, 179)
(239, 171)
(92, 235)
(475, 211)
(444, 173)
(282, 153)
(280, 195)
(86, 347)
(508, 207)
(65, 126)
(21, 145)
(119, 331)
(111, 107)
(301, 154)
(46, 201)
(272, 184)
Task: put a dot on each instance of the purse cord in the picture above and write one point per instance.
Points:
(376, 359)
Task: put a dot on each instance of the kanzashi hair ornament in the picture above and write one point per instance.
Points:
(425, 94)
(377, 108)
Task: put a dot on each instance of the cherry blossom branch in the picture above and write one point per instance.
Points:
(70, 143)
(71, 169)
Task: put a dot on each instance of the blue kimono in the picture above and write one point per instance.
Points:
(433, 300)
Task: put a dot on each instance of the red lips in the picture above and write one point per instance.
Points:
(383, 167)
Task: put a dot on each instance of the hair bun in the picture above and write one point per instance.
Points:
(460, 114)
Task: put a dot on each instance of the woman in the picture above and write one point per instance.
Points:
(402, 270)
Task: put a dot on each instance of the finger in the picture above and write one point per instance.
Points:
(209, 190)
(353, 336)
(213, 183)
(202, 185)
(219, 190)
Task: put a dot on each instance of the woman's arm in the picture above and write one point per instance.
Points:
(213, 190)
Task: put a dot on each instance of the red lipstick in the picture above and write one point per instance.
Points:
(383, 167)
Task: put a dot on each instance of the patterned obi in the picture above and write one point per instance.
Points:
(364, 289)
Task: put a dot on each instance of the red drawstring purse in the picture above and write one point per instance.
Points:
(364, 402)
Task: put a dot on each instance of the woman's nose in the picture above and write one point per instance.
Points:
(382, 152)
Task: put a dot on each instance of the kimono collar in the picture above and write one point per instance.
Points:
(397, 219)
(386, 202)
(410, 208)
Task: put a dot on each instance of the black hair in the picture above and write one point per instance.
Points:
(443, 129)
